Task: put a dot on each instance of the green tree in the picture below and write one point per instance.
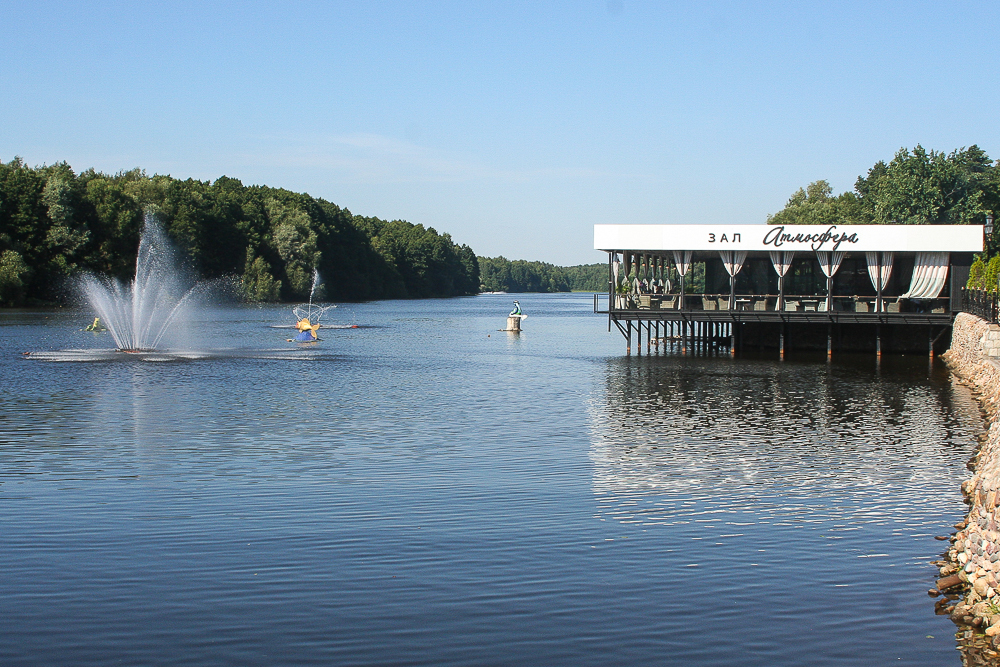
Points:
(928, 188)
(295, 241)
(499, 274)
(587, 277)
(816, 205)
(992, 274)
(977, 274)
(116, 220)
(258, 282)
(13, 277)
(65, 237)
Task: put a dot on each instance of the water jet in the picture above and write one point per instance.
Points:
(140, 315)
(307, 316)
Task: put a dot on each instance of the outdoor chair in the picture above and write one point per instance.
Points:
(760, 304)
(668, 304)
(860, 306)
(791, 305)
(723, 303)
(707, 304)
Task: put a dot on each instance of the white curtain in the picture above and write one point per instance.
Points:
(782, 261)
(930, 271)
(874, 264)
(682, 258)
(733, 260)
(829, 262)
(615, 269)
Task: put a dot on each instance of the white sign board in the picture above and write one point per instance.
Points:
(843, 238)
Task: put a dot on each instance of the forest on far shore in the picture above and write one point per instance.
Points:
(499, 274)
(55, 224)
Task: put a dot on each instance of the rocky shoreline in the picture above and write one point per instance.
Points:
(970, 570)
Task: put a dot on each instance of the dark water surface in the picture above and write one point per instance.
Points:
(427, 490)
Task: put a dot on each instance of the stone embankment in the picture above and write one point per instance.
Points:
(970, 573)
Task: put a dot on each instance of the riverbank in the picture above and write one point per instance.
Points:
(970, 573)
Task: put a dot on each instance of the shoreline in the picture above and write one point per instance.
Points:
(969, 578)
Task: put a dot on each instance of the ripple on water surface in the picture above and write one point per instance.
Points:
(425, 491)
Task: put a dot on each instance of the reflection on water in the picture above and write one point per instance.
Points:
(427, 490)
(686, 426)
(767, 472)
(301, 351)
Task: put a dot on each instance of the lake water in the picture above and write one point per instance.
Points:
(427, 490)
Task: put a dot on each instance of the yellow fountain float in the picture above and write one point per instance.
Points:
(307, 331)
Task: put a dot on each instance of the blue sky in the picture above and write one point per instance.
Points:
(513, 126)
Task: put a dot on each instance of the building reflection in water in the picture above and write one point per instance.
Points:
(674, 437)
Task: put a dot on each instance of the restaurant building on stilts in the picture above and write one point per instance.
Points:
(878, 288)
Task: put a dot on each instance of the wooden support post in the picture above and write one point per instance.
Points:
(628, 337)
(732, 340)
(781, 341)
(930, 341)
(829, 342)
(878, 341)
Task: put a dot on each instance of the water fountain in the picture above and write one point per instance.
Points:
(141, 314)
(149, 317)
(308, 315)
(311, 311)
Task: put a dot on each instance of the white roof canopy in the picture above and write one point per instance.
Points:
(762, 238)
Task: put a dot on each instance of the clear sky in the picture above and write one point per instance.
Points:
(513, 126)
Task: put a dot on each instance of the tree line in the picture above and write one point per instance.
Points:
(917, 187)
(499, 274)
(55, 223)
